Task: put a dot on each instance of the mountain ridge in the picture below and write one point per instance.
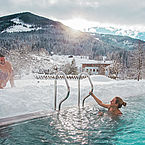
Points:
(28, 18)
(136, 34)
(55, 37)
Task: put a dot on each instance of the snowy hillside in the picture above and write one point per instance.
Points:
(38, 32)
(59, 62)
(78, 59)
(20, 26)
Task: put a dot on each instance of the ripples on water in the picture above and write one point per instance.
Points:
(74, 126)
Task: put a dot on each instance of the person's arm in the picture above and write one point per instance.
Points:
(12, 79)
(99, 101)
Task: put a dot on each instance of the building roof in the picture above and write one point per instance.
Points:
(98, 62)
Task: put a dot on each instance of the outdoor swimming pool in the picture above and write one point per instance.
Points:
(74, 126)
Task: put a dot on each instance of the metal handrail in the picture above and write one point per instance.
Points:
(79, 77)
(55, 99)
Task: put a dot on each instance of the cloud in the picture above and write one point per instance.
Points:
(119, 12)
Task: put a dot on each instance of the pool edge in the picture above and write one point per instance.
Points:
(20, 118)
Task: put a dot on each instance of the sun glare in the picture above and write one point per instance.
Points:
(86, 25)
(78, 24)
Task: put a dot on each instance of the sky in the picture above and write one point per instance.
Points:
(81, 14)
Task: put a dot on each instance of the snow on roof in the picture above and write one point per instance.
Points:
(98, 62)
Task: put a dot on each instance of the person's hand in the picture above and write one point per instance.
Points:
(91, 93)
(100, 113)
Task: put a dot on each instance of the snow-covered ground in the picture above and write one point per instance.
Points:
(78, 59)
(32, 95)
(60, 60)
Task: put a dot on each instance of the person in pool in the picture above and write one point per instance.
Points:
(113, 107)
(6, 72)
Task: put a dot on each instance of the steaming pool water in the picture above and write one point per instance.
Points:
(84, 126)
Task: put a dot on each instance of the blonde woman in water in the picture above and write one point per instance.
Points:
(113, 107)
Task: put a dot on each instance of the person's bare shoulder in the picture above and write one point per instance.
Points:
(8, 65)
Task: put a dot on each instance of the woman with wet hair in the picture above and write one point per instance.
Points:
(113, 107)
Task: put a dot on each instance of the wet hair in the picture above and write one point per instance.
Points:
(120, 102)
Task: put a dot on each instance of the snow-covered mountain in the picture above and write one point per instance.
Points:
(30, 32)
(133, 33)
(23, 22)
(20, 26)
(35, 32)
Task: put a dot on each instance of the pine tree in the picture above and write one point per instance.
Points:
(136, 63)
(70, 68)
(139, 61)
(73, 68)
